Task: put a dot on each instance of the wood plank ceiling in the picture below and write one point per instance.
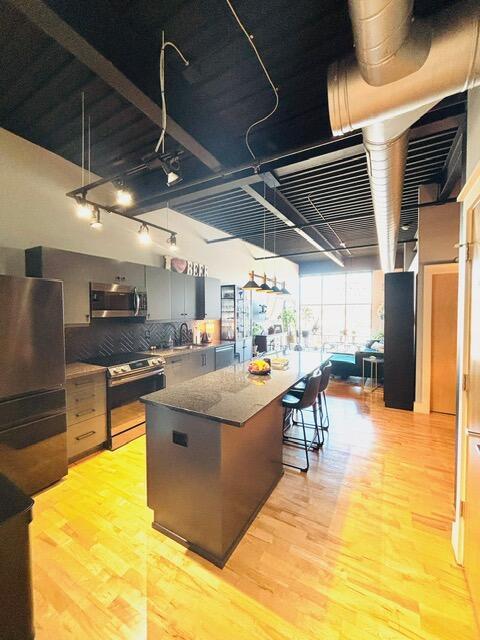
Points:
(214, 99)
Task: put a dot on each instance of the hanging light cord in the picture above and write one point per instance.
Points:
(274, 88)
(342, 243)
(161, 140)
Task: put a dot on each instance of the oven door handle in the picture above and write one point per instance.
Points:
(132, 377)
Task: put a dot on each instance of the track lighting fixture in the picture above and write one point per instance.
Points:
(251, 284)
(83, 209)
(124, 197)
(96, 222)
(172, 241)
(172, 171)
(144, 234)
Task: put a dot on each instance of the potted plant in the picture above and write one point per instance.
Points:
(289, 322)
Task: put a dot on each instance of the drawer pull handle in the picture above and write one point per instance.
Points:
(85, 435)
(85, 398)
(84, 413)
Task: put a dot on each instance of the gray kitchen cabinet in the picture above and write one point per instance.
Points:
(183, 296)
(86, 414)
(73, 269)
(158, 282)
(202, 362)
(186, 366)
(208, 299)
(108, 271)
(77, 270)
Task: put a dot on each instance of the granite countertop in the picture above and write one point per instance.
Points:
(232, 395)
(171, 352)
(77, 369)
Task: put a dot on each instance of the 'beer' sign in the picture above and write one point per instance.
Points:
(188, 267)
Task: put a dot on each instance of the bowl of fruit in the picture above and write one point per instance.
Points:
(259, 367)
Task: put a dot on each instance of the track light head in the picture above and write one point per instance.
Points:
(144, 234)
(172, 241)
(83, 209)
(96, 222)
(124, 197)
(172, 171)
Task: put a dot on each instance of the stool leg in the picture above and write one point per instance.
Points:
(327, 417)
(317, 431)
(305, 469)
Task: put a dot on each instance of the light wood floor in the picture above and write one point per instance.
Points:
(358, 548)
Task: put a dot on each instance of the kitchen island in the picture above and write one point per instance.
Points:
(214, 452)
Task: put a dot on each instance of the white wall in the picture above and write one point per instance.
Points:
(438, 232)
(473, 158)
(34, 211)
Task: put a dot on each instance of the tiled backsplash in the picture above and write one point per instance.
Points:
(104, 337)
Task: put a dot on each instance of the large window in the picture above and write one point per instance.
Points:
(336, 309)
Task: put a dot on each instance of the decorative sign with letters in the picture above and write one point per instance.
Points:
(188, 267)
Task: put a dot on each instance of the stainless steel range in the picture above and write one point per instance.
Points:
(129, 377)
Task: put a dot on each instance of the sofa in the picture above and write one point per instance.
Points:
(345, 365)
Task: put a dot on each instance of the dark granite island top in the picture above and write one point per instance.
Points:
(233, 395)
(206, 478)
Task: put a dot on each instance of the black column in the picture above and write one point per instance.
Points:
(399, 368)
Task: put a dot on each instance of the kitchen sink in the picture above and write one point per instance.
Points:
(186, 347)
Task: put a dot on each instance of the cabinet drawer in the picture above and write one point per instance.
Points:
(86, 435)
(86, 398)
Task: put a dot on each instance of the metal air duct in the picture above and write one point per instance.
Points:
(447, 62)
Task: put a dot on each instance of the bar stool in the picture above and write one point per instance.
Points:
(322, 398)
(296, 404)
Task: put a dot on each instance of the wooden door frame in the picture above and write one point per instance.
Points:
(429, 271)
(470, 199)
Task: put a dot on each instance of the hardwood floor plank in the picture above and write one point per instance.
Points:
(357, 549)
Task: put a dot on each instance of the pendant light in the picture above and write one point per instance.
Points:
(264, 287)
(284, 291)
(251, 284)
(275, 289)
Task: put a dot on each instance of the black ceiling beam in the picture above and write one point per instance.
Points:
(328, 251)
(38, 12)
(451, 171)
(275, 202)
(331, 220)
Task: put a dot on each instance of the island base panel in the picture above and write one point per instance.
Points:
(206, 494)
(217, 561)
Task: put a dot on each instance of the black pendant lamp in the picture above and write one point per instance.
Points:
(275, 289)
(264, 287)
(284, 291)
(251, 284)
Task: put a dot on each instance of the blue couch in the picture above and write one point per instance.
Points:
(345, 365)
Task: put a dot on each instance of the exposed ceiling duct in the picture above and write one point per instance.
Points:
(403, 68)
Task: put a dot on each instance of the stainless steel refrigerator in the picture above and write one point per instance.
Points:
(33, 449)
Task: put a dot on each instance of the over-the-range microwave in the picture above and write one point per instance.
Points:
(117, 301)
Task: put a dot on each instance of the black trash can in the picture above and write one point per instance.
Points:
(16, 598)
